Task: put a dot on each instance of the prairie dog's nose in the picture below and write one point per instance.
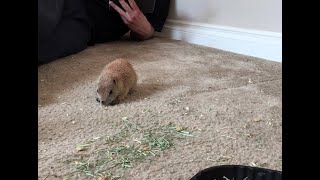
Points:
(99, 100)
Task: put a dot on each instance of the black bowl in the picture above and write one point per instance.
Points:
(237, 172)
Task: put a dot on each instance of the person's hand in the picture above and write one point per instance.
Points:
(140, 27)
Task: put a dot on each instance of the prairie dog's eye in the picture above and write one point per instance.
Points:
(110, 92)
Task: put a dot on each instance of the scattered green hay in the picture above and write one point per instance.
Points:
(133, 144)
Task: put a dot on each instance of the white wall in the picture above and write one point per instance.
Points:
(263, 15)
(249, 27)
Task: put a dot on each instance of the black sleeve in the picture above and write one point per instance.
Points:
(159, 15)
(49, 15)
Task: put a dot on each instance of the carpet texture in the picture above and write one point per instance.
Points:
(231, 103)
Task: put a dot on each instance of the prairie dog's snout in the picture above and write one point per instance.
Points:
(107, 91)
(115, 81)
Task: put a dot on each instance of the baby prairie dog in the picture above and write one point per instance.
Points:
(115, 81)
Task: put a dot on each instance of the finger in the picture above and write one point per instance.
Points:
(134, 5)
(118, 9)
(125, 6)
(124, 20)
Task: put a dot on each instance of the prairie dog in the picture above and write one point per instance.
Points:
(115, 81)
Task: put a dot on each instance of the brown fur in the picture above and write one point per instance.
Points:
(118, 76)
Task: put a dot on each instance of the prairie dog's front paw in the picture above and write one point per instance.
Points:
(116, 101)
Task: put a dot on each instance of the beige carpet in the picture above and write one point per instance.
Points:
(231, 103)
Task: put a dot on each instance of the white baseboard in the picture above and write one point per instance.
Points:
(261, 44)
